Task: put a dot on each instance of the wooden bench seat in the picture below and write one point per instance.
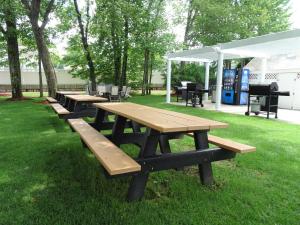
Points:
(51, 100)
(59, 109)
(228, 144)
(112, 158)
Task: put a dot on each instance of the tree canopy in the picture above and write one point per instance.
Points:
(124, 41)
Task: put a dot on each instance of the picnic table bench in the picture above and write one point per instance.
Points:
(51, 100)
(77, 106)
(161, 126)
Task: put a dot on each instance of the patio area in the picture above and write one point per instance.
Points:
(286, 115)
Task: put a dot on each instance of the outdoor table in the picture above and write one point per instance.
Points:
(81, 105)
(60, 95)
(161, 126)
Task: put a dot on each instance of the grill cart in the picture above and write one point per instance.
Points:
(264, 98)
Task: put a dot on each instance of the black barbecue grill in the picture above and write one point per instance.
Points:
(191, 93)
(194, 92)
(266, 98)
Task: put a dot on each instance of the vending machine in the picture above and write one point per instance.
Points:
(235, 86)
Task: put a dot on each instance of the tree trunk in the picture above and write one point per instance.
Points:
(188, 27)
(13, 56)
(41, 78)
(151, 72)
(146, 70)
(46, 60)
(86, 49)
(116, 53)
(125, 54)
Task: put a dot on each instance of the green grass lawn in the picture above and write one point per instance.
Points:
(47, 177)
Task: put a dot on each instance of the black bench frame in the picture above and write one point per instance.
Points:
(150, 160)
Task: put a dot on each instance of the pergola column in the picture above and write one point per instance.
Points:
(263, 70)
(169, 70)
(219, 80)
(206, 84)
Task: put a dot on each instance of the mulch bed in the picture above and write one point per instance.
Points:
(4, 94)
(45, 102)
(18, 99)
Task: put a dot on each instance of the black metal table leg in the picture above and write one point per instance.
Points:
(99, 119)
(71, 105)
(118, 129)
(205, 169)
(57, 96)
(136, 128)
(77, 107)
(164, 144)
(64, 101)
(139, 181)
(137, 186)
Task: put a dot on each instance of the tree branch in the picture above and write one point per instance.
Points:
(87, 19)
(26, 4)
(80, 23)
(46, 15)
(2, 30)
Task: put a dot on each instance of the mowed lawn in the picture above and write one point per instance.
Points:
(47, 177)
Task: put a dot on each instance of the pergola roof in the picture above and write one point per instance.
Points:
(262, 47)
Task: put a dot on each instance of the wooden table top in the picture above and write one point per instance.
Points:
(86, 98)
(160, 119)
(71, 92)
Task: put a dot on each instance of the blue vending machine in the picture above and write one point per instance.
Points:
(235, 86)
(242, 87)
(229, 76)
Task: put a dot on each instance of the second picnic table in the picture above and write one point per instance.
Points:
(77, 106)
(60, 95)
(81, 105)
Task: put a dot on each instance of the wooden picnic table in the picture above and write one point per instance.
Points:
(60, 95)
(161, 126)
(82, 105)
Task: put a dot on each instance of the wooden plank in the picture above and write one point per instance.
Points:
(228, 144)
(71, 92)
(159, 119)
(212, 124)
(59, 109)
(51, 100)
(150, 119)
(86, 98)
(112, 158)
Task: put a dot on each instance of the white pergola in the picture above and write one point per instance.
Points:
(263, 47)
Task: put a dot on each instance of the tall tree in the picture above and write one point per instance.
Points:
(188, 31)
(151, 32)
(40, 77)
(36, 10)
(125, 52)
(8, 16)
(220, 21)
(119, 33)
(84, 39)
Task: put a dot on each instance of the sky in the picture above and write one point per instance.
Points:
(295, 10)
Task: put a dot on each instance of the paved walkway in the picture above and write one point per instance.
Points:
(291, 116)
